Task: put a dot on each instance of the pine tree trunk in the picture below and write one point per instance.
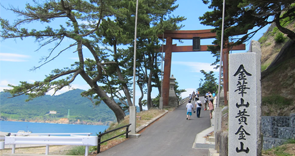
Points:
(119, 113)
(141, 97)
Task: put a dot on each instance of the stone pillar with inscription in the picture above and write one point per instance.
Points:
(244, 104)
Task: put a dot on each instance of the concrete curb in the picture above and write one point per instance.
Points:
(138, 129)
(202, 143)
(200, 137)
(212, 152)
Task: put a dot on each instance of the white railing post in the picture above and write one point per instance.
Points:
(86, 150)
(13, 149)
(47, 150)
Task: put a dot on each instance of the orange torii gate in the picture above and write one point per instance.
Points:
(189, 34)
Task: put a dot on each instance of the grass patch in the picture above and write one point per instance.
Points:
(291, 141)
(283, 150)
(277, 100)
(148, 115)
(267, 44)
(79, 150)
(264, 66)
(262, 39)
(279, 151)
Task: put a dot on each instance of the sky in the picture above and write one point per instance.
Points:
(18, 57)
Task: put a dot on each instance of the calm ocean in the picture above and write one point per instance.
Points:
(14, 127)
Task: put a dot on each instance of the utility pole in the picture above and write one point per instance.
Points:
(132, 109)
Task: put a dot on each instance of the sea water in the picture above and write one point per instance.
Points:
(14, 127)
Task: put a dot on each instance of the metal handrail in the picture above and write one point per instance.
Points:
(101, 134)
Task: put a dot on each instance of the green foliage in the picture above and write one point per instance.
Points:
(156, 100)
(277, 100)
(291, 141)
(274, 31)
(89, 24)
(264, 67)
(178, 91)
(207, 84)
(262, 39)
(246, 17)
(77, 150)
(80, 108)
(280, 38)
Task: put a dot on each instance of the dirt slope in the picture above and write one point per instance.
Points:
(278, 80)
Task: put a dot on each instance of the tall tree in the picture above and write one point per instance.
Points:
(153, 19)
(244, 15)
(81, 20)
(88, 23)
(208, 83)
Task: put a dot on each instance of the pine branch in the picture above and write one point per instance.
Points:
(54, 56)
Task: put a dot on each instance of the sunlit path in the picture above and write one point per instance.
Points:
(172, 135)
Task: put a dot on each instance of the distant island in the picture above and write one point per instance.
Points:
(67, 108)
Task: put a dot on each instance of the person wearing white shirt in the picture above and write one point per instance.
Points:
(198, 107)
(189, 109)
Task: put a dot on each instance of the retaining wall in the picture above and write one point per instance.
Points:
(277, 129)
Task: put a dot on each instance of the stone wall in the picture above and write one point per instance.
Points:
(277, 129)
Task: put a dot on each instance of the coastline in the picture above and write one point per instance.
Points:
(62, 122)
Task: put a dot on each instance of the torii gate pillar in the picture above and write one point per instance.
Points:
(167, 70)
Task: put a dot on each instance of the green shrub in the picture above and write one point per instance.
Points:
(276, 100)
(274, 31)
(262, 39)
(280, 38)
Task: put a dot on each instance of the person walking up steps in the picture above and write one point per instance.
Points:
(189, 109)
(198, 107)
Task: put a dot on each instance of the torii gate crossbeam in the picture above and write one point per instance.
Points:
(189, 34)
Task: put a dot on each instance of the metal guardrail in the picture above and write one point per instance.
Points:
(99, 142)
(49, 134)
(78, 140)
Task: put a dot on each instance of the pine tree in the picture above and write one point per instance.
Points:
(89, 24)
(244, 15)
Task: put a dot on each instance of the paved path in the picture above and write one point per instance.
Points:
(172, 135)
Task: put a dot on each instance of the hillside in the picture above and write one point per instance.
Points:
(278, 73)
(81, 109)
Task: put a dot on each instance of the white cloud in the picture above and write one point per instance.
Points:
(4, 85)
(197, 66)
(66, 89)
(13, 57)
